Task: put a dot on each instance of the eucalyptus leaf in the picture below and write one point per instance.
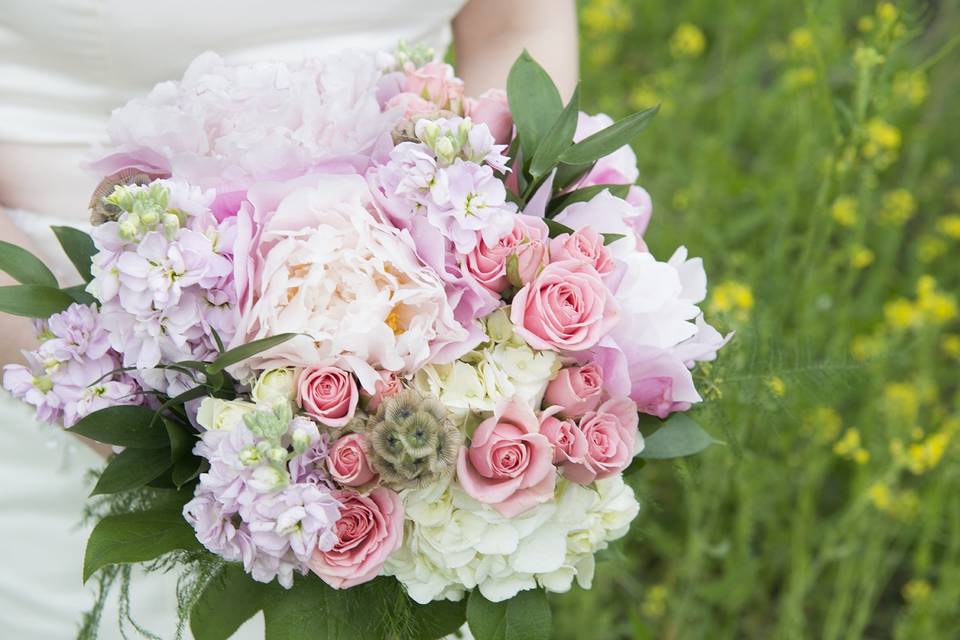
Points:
(139, 536)
(241, 353)
(534, 101)
(608, 140)
(79, 247)
(132, 469)
(557, 139)
(24, 267)
(526, 616)
(33, 301)
(124, 426)
(231, 598)
(678, 437)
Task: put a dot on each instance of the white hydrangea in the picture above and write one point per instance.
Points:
(498, 370)
(453, 544)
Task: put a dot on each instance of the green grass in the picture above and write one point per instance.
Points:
(834, 509)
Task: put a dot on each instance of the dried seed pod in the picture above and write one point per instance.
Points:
(412, 441)
(102, 211)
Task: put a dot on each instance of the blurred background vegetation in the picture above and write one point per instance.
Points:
(809, 152)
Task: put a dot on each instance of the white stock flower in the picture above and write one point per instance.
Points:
(453, 543)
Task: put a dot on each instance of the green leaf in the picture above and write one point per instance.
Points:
(555, 228)
(132, 469)
(606, 141)
(79, 248)
(230, 599)
(557, 139)
(679, 436)
(376, 609)
(24, 267)
(585, 194)
(610, 238)
(186, 469)
(33, 301)
(124, 426)
(244, 351)
(569, 174)
(139, 536)
(534, 102)
(181, 440)
(79, 294)
(526, 616)
(513, 271)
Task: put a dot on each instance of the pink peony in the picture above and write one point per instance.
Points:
(611, 433)
(567, 307)
(527, 240)
(493, 110)
(347, 461)
(569, 443)
(584, 244)
(329, 394)
(509, 464)
(576, 390)
(370, 528)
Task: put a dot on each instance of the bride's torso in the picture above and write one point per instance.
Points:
(65, 65)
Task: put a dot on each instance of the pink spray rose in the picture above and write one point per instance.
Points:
(611, 433)
(388, 385)
(509, 464)
(528, 241)
(576, 389)
(329, 394)
(347, 461)
(584, 244)
(370, 528)
(436, 83)
(493, 110)
(569, 443)
(567, 307)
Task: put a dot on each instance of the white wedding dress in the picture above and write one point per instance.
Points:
(63, 66)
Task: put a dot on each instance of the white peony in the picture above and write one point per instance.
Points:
(453, 543)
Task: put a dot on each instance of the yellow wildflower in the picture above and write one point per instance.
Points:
(860, 256)
(688, 41)
(866, 24)
(777, 386)
(864, 347)
(732, 296)
(950, 226)
(861, 456)
(801, 40)
(887, 12)
(867, 57)
(880, 496)
(927, 454)
(916, 590)
(655, 601)
(800, 77)
(882, 142)
(899, 206)
(911, 87)
(934, 305)
(950, 344)
(644, 96)
(902, 400)
(900, 313)
(605, 16)
(844, 210)
(929, 248)
(906, 505)
(824, 422)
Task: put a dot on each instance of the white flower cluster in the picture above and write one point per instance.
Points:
(453, 544)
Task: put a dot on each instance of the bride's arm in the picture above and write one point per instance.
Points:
(490, 34)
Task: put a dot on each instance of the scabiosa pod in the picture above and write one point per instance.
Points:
(412, 440)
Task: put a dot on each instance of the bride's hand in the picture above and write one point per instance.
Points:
(490, 34)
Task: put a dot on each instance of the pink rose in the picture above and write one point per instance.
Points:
(412, 105)
(569, 443)
(329, 394)
(567, 307)
(493, 110)
(388, 385)
(509, 464)
(576, 389)
(435, 82)
(584, 244)
(370, 528)
(527, 240)
(347, 461)
(611, 433)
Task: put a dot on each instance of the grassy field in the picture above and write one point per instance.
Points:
(809, 152)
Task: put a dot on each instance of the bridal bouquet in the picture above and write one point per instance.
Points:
(373, 356)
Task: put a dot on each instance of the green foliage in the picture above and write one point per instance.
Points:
(679, 436)
(230, 598)
(79, 247)
(250, 349)
(33, 300)
(124, 426)
(132, 469)
(819, 182)
(526, 616)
